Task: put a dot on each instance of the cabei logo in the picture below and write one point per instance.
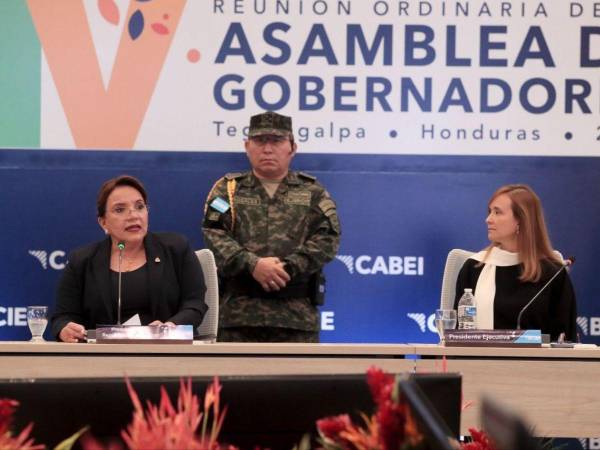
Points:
(56, 259)
(13, 316)
(582, 323)
(348, 261)
(419, 318)
(589, 326)
(423, 321)
(589, 444)
(383, 265)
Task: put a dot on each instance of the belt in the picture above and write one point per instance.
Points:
(251, 288)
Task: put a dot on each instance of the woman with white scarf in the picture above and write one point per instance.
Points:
(515, 266)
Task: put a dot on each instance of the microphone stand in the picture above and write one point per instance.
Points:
(121, 247)
(568, 262)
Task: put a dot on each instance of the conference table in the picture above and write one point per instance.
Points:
(554, 389)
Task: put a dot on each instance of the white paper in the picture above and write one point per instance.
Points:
(134, 320)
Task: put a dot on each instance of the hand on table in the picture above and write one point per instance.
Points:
(72, 332)
(158, 323)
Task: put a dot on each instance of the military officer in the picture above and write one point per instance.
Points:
(272, 230)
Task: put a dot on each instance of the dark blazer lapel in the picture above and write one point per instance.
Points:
(101, 271)
(155, 258)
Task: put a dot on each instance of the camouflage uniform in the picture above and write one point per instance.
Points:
(299, 225)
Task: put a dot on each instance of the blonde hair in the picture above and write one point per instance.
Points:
(532, 239)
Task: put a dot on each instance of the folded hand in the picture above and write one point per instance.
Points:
(270, 273)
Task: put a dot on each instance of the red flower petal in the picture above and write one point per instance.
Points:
(7, 410)
(159, 28)
(380, 383)
(331, 427)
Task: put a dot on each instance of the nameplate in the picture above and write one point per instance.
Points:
(161, 334)
(493, 338)
(298, 198)
(252, 201)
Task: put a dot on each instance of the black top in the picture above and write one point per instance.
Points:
(135, 298)
(553, 312)
(175, 284)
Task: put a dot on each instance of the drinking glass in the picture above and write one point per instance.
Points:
(37, 319)
(445, 319)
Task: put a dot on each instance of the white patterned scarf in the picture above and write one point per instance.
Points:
(485, 291)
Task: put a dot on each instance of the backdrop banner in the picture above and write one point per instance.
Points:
(358, 76)
(410, 112)
(400, 216)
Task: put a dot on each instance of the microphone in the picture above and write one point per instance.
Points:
(121, 247)
(568, 262)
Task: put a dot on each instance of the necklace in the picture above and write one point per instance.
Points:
(129, 262)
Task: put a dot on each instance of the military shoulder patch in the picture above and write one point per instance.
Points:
(220, 205)
(306, 176)
(233, 175)
(213, 216)
(327, 205)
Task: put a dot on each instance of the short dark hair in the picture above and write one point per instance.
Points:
(112, 184)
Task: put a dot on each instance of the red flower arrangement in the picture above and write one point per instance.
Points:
(481, 441)
(7, 441)
(391, 427)
(165, 427)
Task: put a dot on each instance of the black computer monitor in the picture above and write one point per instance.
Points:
(436, 432)
(444, 392)
(505, 428)
(281, 408)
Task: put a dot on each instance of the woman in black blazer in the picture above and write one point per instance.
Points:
(161, 277)
(516, 266)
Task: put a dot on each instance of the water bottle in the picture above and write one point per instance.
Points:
(467, 311)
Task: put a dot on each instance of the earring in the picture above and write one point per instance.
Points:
(517, 232)
(105, 231)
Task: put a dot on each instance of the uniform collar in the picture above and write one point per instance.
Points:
(290, 179)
